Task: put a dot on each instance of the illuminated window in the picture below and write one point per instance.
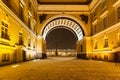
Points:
(20, 39)
(105, 22)
(4, 31)
(105, 42)
(5, 57)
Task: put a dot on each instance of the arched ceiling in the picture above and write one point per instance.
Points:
(81, 2)
(64, 22)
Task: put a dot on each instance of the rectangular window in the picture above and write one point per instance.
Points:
(20, 39)
(29, 42)
(95, 45)
(94, 15)
(4, 32)
(105, 43)
(5, 57)
(105, 22)
(118, 13)
(104, 5)
(29, 22)
(94, 28)
(22, 12)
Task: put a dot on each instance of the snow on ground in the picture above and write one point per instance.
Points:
(61, 68)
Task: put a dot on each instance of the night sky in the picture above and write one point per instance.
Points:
(63, 38)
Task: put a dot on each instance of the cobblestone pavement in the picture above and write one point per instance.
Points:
(61, 68)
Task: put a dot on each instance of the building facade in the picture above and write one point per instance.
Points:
(24, 25)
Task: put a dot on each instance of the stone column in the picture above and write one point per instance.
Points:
(84, 48)
(41, 47)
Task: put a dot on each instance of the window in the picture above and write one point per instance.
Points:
(29, 23)
(30, 6)
(95, 47)
(105, 22)
(105, 42)
(21, 11)
(118, 43)
(29, 42)
(4, 32)
(5, 57)
(118, 13)
(34, 44)
(104, 4)
(20, 39)
(94, 28)
(95, 14)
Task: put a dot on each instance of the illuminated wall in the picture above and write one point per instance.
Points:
(106, 30)
(17, 31)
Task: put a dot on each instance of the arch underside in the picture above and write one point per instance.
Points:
(64, 22)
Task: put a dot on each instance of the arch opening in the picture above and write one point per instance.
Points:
(61, 38)
(66, 23)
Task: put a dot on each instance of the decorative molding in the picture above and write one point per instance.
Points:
(104, 14)
(84, 18)
(64, 23)
(94, 22)
(23, 3)
(29, 13)
(42, 17)
(116, 3)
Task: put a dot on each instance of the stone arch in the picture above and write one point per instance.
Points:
(67, 21)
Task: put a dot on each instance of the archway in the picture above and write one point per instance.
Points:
(62, 21)
(66, 23)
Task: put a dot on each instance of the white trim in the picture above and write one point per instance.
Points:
(34, 21)
(64, 21)
(104, 14)
(116, 3)
(23, 3)
(2, 5)
(29, 13)
(95, 22)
